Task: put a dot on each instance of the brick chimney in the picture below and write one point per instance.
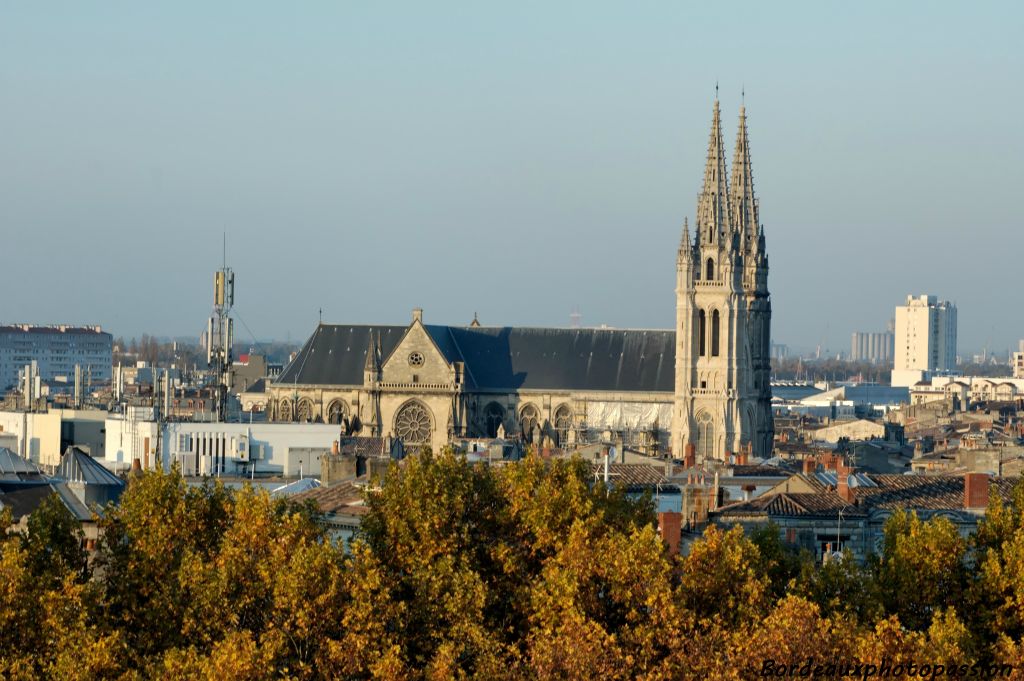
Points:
(975, 491)
(843, 483)
(670, 526)
(690, 456)
(810, 465)
(742, 458)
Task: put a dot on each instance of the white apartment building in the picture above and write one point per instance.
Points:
(1017, 362)
(57, 350)
(925, 340)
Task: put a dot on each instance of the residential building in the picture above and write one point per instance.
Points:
(826, 512)
(925, 340)
(56, 350)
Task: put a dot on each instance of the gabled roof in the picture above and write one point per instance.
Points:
(77, 466)
(503, 358)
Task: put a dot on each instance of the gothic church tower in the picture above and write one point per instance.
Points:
(723, 314)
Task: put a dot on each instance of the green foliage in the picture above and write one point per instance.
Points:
(530, 570)
(53, 542)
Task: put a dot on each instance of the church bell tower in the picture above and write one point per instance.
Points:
(723, 314)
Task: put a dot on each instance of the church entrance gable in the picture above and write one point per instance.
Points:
(417, 360)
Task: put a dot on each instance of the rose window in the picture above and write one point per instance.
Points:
(413, 424)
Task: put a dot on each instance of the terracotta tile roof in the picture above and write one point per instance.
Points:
(890, 492)
(793, 504)
(343, 496)
(631, 474)
(364, 446)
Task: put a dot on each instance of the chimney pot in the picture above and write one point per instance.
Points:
(976, 490)
(670, 526)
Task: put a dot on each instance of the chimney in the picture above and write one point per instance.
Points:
(975, 491)
(690, 456)
(742, 459)
(810, 465)
(843, 483)
(417, 314)
(335, 448)
(670, 527)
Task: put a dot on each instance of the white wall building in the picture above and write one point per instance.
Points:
(1017, 362)
(285, 449)
(925, 340)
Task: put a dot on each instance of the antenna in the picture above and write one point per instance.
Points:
(716, 89)
(220, 334)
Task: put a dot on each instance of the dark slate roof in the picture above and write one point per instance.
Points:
(260, 386)
(25, 500)
(757, 470)
(504, 358)
(77, 466)
(335, 354)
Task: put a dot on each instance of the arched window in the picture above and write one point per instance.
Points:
(702, 333)
(336, 412)
(494, 416)
(413, 424)
(709, 270)
(284, 411)
(563, 423)
(305, 411)
(705, 436)
(714, 333)
(529, 418)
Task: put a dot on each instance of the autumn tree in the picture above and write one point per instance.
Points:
(921, 568)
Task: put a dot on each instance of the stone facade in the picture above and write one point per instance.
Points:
(705, 382)
(723, 315)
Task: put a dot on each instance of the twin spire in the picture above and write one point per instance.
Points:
(727, 209)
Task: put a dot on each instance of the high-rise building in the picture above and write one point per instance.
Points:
(1017, 361)
(723, 314)
(872, 347)
(57, 350)
(925, 340)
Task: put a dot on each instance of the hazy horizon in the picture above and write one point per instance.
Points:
(516, 162)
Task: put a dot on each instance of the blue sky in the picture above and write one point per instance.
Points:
(513, 160)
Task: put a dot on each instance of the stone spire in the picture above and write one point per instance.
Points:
(713, 203)
(745, 217)
(685, 243)
(372, 358)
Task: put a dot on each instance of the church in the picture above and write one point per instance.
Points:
(704, 383)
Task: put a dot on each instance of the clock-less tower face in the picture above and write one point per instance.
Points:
(722, 393)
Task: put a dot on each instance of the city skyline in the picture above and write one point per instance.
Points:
(549, 173)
